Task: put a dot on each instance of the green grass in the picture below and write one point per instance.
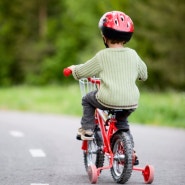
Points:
(166, 109)
(49, 99)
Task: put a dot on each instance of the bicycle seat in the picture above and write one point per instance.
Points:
(114, 111)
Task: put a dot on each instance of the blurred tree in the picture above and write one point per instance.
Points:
(78, 30)
(159, 32)
(39, 38)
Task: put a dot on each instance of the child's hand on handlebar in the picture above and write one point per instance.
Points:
(71, 67)
(68, 71)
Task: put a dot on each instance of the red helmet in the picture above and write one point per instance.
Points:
(116, 25)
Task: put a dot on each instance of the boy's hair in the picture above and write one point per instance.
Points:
(116, 41)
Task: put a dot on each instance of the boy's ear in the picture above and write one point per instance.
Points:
(104, 38)
(105, 41)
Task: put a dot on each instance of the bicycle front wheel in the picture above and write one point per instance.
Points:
(93, 155)
(122, 163)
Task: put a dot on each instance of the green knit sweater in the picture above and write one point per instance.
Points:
(118, 68)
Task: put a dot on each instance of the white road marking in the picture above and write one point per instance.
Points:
(16, 133)
(38, 184)
(37, 153)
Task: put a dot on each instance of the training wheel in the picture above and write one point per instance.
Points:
(148, 174)
(92, 173)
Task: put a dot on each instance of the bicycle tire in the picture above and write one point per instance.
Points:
(93, 155)
(121, 146)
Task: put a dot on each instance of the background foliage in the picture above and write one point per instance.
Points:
(39, 38)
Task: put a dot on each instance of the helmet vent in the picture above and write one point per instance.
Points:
(116, 22)
(128, 25)
(104, 20)
(122, 18)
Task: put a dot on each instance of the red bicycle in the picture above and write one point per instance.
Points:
(109, 142)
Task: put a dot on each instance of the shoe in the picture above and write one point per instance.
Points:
(84, 134)
(136, 160)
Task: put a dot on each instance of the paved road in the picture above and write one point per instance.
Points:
(38, 149)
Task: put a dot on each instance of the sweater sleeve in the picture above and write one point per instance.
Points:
(142, 70)
(91, 68)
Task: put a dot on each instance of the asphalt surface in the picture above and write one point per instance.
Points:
(40, 149)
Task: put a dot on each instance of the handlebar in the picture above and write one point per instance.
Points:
(67, 72)
(94, 80)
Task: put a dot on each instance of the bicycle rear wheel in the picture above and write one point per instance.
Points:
(93, 155)
(122, 164)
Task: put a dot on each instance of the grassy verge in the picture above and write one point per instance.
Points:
(49, 99)
(165, 109)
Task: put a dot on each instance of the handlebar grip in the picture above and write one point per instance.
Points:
(67, 72)
(94, 80)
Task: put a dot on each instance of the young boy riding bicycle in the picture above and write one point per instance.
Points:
(118, 67)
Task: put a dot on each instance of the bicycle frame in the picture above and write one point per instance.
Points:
(102, 121)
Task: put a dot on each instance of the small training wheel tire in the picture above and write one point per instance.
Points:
(148, 174)
(92, 173)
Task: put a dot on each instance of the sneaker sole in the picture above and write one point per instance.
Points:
(82, 137)
(87, 138)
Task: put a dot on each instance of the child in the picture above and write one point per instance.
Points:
(118, 67)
